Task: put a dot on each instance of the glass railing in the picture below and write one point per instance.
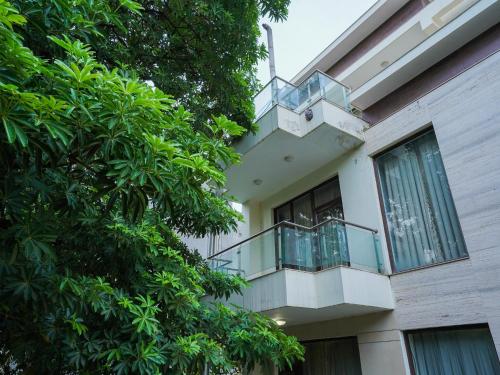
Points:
(330, 244)
(298, 98)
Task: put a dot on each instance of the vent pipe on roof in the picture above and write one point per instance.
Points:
(270, 48)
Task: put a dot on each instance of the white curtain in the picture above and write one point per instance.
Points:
(454, 352)
(419, 208)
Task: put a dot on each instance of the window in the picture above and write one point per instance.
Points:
(329, 357)
(314, 206)
(419, 210)
(453, 351)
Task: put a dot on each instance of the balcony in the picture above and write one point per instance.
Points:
(300, 127)
(301, 274)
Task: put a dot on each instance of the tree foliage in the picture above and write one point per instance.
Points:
(98, 172)
(203, 52)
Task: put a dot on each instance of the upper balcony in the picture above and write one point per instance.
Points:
(300, 127)
(302, 274)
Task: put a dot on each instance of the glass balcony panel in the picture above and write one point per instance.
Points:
(331, 245)
(298, 98)
(327, 245)
(250, 259)
(364, 250)
(277, 91)
(334, 92)
(297, 248)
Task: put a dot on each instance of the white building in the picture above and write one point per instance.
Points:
(372, 196)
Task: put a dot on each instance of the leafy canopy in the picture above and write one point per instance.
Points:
(202, 52)
(98, 172)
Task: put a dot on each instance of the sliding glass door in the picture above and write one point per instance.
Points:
(312, 251)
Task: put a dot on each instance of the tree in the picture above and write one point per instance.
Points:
(98, 172)
(202, 52)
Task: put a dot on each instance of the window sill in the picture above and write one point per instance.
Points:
(429, 266)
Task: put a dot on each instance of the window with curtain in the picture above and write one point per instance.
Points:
(420, 214)
(468, 351)
(329, 357)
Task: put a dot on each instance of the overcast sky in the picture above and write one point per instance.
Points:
(311, 26)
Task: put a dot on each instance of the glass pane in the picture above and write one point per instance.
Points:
(297, 249)
(275, 92)
(327, 193)
(253, 258)
(283, 213)
(334, 92)
(335, 211)
(302, 211)
(454, 352)
(419, 208)
(364, 250)
(332, 247)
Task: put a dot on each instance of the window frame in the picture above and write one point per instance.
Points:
(311, 192)
(409, 138)
(463, 327)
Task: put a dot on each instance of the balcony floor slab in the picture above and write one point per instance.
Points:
(287, 146)
(300, 297)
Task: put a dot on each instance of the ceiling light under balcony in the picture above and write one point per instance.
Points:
(384, 64)
(280, 322)
(288, 158)
(257, 181)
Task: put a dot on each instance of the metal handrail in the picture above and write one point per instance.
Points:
(285, 222)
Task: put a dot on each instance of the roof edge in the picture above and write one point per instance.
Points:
(368, 22)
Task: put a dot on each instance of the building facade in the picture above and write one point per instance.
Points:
(371, 194)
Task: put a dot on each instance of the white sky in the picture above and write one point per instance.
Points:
(311, 26)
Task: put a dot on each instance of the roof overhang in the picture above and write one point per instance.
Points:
(477, 19)
(380, 12)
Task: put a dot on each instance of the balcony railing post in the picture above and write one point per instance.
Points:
(376, 246)
(277, 247)
(274, 92)
(238, 256)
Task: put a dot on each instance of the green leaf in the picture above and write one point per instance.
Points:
(10, 130)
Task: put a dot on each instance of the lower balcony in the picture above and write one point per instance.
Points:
(302, 274)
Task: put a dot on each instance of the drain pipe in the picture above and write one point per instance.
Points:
(270, 48)
(272, 66)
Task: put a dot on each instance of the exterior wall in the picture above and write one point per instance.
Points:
(453, 65)
(397, 19)
(380, 347)
(465, 114)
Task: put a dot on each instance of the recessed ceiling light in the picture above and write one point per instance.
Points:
(288, 158)
(280, 322)
(257, 181)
